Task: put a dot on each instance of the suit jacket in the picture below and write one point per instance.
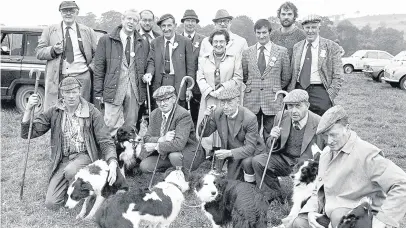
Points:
(309, 137)
(182, 60)
(50, 36)
(235, 46)
(330, 66)
(359, 170)
(246, 136)
(185, 140)
(260, 89)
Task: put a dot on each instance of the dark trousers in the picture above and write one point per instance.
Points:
(266, 121)
(194, 107)
(318, 98)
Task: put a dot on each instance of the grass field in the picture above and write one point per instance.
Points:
(377, 111)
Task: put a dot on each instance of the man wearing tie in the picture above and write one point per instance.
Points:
(317, 67)
(190, 20)
(146, 26)
(266, 70)
(170, 59)
(120, 63)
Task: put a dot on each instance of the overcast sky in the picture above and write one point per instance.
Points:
(44, 12)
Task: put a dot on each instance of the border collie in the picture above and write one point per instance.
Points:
(359, 217)
(159, 206)
(92, 181)
(230, 202)
(128, 148)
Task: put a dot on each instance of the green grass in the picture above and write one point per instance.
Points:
(377, 113)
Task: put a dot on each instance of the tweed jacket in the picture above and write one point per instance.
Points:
(235, 46)
(185, 136)
(50, 36)
(246, 136)
(330, 66)
(182, 60)
(309, 137)
(359, 170)
(260, 89)
(107, 65)
(99, 144)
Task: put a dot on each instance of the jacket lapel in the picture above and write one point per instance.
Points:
(162, 46)
(273, 54)
(224, 130)
(298, 58)
(196, 39)
(322, 47)
(286, 123)
(238, 121)
(254, 59)
(310, 130)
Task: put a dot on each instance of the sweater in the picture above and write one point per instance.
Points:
(288, 39)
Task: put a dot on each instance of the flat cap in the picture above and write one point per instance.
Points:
(68, 5)
(229, 93)
(164, 17)
(190, 14)
(163, 92)
(69, 83)
(330, 117)
(296, 96)
(312, 18)
(222, 14)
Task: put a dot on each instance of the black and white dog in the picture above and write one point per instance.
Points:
(230, 202)
(92, 181)
(158, 206)
(128, 148)
(359, 217)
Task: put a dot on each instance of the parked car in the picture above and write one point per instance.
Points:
(395, 74)
(18, 57)
(364, 57)
(375, 70)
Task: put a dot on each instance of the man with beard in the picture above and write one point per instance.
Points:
(289, 34)
(120, 63)
(146, 26)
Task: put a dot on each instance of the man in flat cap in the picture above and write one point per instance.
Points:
(190, 20)
(235, 46)
(173, 138)
(68, 48)
(350, 169)
(237, 127)
(120, 64)
(295, 136)
(170, 59)
(317, 67)
(79, 137)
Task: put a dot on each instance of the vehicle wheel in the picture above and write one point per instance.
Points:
(380, 76)
(22, 95)
(348, 69)
(402, 84)
(394, 84)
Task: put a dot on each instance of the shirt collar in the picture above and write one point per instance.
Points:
(302, 123)
(150, 33)
(315, 43)
(187, 34)
(267, 46)
(124, 36)
(82, 110)
(166, 114)
(73, 26)
(347, 148)
(234, 115)
(172, 40)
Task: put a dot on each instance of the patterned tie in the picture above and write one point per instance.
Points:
(261, 60)
(128, 49)
(189, 36)
(167, 58)
(304, 78)
(69, 48)
(296, 125)
(163, 125)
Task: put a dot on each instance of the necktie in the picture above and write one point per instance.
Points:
(147, 37)
(167, 58)
(261, 60)
(304, 78)
(296, 125)
(189, 36)
(163, 125)
(69, 48)
(128, 49)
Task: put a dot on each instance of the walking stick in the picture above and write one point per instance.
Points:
(168, 123)
(37, 76)
(149, 100)
(273, 140)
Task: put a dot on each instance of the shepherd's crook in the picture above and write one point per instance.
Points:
(37, 76)
(274, 140)
(149, 100)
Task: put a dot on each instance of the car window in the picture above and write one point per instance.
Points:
(11, 44)
(383, 55)
(371, 55)
(31, 44)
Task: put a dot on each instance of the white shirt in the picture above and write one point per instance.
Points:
(302, 123)
(123, 38)
(150, 33)
(172, 41)
(78, 65)
(267, 51)
(187, 34)
(314, 76)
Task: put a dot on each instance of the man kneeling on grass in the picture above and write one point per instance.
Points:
(79, 137)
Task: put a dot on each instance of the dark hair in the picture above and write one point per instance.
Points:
(146, 10)
(219, 32)
(263, 23)
(287, 6)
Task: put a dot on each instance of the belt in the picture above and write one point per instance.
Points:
(311, 85)
(168, 75)
(74, 74)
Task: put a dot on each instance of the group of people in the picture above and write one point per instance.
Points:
(232, 106)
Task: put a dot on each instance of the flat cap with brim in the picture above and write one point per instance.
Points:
(189, 14)
(330, 117)
(163, 92)
(296, 96)
(165, 17)
(229, 93)
(222, 14)
(68, 5)
(312, 18)
(69, 83)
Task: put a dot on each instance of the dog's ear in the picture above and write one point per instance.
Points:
(119, 184)
(194, 181)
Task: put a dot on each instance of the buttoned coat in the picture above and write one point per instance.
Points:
(51, 36)
(182, 60)
(330, 66)
(260, 89)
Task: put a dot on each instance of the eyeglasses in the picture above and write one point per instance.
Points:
(219, 42)
(166, 100)
(223, 21)
(71, 11)
(147, 20)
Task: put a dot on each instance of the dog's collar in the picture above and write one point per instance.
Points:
(176, 185)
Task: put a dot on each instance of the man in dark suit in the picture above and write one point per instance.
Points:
(295, 136)
(170, 59)
(177, 143)
(190, 20)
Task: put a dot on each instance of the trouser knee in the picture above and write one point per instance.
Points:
(176, 158)
(247, 165)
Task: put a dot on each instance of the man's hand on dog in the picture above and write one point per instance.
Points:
(312, 216)
(112, 172)
(223, 154)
